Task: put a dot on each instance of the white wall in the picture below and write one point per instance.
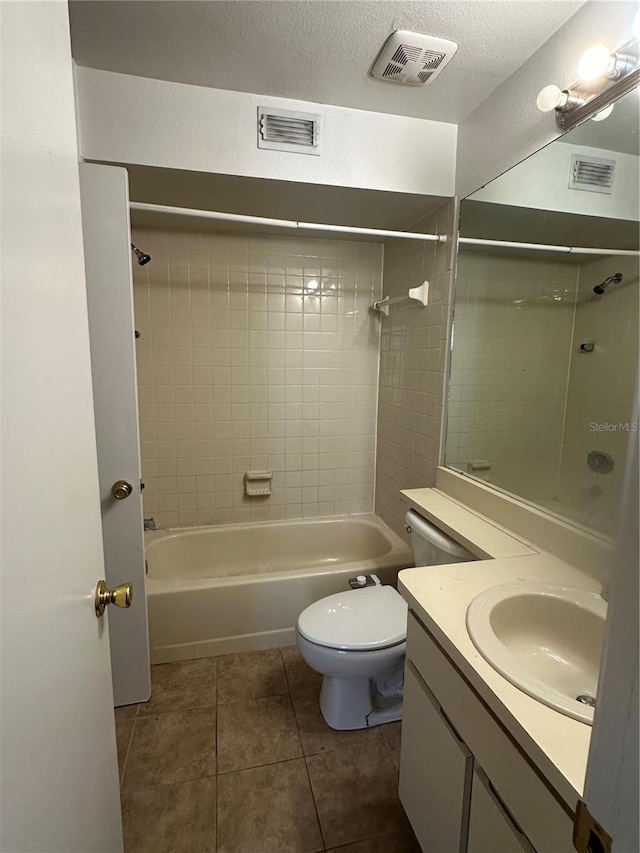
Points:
(128, 119)
(542, 183)
(508, 126)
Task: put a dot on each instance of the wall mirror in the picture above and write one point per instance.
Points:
(545, 341)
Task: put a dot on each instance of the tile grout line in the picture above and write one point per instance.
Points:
(315, 806)
(304, 757)
(126, 755)
(215, 797)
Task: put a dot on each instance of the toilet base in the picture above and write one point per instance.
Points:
(346, 704)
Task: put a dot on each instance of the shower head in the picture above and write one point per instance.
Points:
(141, 256)
(613, 279)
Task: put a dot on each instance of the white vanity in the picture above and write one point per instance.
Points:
(485, 767)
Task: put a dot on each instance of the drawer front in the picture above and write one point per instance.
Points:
(491, 829)
(532, 804)
(435, 772)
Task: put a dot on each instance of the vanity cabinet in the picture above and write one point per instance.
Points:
(436, 799)
(465, 784)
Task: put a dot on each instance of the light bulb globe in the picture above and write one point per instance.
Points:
(594, 62)
(549, 98)
(603, 114)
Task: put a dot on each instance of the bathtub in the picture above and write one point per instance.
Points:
(233, 588)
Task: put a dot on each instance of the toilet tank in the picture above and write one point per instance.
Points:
(432, 547)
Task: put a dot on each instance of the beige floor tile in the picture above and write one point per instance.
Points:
(267, 810)
(172, 747)
(316, 735)
(252, 675)
(299, 674)
(260, 731)
(404, 843)
(123, 738)
(356, 794)
(125, 712)
(392, 733)
(176, 818)
(180, 686)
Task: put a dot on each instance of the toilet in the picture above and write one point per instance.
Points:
(356, 639)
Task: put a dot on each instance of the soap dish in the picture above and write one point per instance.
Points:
(257, 484)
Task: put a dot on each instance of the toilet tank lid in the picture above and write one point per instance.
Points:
(356, 620)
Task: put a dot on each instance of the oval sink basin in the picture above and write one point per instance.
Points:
(546, 640)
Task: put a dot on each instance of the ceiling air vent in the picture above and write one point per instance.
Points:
(287, 130)
(412, 58)
(593, 174)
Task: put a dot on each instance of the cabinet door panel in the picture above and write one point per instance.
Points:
(490, 828)
(533, 804)
(435, 772)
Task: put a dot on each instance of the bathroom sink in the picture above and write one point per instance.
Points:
(545, 639)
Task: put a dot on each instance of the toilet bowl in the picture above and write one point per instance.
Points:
(356, 640)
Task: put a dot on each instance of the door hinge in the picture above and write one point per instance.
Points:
(589, 836)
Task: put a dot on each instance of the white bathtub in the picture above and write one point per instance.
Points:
(217, 590)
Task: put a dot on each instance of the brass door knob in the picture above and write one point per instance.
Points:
(120, 596)
(121, 489)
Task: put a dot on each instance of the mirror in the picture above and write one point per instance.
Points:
(545, 342)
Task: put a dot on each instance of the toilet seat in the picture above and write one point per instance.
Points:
(357, 620)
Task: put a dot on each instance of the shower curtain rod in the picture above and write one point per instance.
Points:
(547, 247)
(370, 232)
(285, 223)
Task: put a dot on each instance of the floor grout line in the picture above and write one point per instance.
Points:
(304, 757)
(217, 792)
(289, 693)
(126, 755)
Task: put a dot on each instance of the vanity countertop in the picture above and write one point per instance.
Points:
(440, 596)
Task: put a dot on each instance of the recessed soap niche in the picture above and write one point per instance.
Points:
(258, 484)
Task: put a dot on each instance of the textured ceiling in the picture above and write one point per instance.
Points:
(315, 50)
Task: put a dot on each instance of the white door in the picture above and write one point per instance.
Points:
(107, 239)
(59, 772)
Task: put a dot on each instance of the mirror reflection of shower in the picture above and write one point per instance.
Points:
(142, 257)
(613, 279)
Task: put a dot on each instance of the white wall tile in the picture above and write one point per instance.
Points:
(412, 360)
(252, 349)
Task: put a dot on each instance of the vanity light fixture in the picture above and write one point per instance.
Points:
(604, 76)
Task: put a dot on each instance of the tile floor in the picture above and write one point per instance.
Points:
(231, 755)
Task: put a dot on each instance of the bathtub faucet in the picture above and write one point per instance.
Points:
(150, 524)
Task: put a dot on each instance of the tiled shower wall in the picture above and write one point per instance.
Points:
(509, 370)
(412, 366)
(600, 391)
(256, 353)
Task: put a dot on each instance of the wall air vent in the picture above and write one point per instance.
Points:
(412, 58)
(287, 130)
(593, 174)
